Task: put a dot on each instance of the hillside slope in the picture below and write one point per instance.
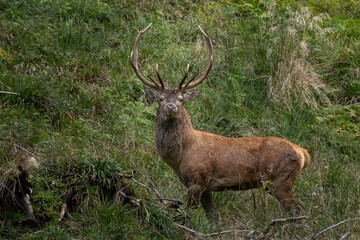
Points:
(70, 100)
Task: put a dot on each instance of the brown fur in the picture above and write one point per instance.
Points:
(207, 162)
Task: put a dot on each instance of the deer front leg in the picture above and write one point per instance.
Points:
(208, 205)
(194, 194)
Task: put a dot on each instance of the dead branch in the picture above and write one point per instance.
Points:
(235, 231)
(62, 212)
(20, 195)
(11, 93)
(148, 188)
(152, 187)
(335, 225)
(177, 201)
(189, 230)
(275, 221)
(147, 218)
(26, 150)
(201, 235)
(344, 236)
(29, 211)
(134, 201)
(141, 184)
(126, 175)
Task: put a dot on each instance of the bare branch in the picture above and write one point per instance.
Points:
(147, 218)
(344, 236)
(201, 235)
(126, 175)
(235, 231)
(6, 92)
(275, 221)
(189, 230)
(62, 212)
(335, 225)
(152, 187)
(148, 188)
(170, 200)
(134, 201)
(25, 150)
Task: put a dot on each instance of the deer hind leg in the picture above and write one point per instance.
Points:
(283, 193)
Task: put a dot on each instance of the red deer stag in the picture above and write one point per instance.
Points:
(206, 162)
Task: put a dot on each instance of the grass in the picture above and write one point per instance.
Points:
(82, 112)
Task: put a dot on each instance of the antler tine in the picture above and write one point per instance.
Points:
(134, 61)
(211, 59)
(157, 85)
(158, 75)
(185, 76)
(192, 79)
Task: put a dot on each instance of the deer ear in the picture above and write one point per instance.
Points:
(191, 95)
(151, 94)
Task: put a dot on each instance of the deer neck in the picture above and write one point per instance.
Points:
(172, 137)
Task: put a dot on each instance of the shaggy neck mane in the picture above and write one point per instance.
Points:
(172, 136)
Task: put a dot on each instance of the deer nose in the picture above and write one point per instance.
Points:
(170, 107)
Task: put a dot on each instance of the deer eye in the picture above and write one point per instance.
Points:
(162, 98)
(181, 98)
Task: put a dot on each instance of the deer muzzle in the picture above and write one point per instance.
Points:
(170, 109)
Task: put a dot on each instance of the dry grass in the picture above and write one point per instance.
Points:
(296, 82)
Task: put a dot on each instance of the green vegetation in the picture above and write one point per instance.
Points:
(282, 68)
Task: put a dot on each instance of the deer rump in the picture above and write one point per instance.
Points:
(206, 162)
(218, 163)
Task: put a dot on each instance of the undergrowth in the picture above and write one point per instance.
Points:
(69, 98)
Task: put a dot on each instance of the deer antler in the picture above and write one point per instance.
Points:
(134, 64)
(185, 76)
(158, 75)
(189, 85)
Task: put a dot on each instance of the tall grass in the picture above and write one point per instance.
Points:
(285, 69)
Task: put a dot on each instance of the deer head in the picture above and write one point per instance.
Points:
(171, 101)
